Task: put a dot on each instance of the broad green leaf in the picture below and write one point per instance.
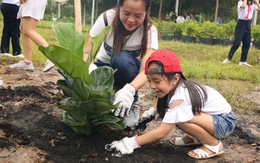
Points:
(110, 124)
(96, 42)
(73, 111)
(103, 78)
(63, 85)
(78, 126)
(106, 117)
(69, 63)
(80, 88)
(108, 120)
(69, 38)
(67, 77)
(100, 95)
(96, 107)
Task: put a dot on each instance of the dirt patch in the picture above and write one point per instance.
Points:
(31, 128)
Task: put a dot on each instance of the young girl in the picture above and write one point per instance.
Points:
(125, 48)
(198, 110)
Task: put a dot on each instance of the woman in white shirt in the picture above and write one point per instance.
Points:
(125, 48)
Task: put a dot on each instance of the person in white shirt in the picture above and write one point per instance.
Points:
(30, 12)
(245, 9)
(180, 19)
(198, 110)
(11, 31)
(125, 48)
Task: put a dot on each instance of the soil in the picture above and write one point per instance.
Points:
(31, 128)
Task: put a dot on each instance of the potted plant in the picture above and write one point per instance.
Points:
(229, 29)
(190, 31)
(255, 32)
(209, 32)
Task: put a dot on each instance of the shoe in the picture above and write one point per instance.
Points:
(6, 55)
(226, 61)
(22, 65)
(48, 66)
(201, 154)
(18, 56)
(179, 141)
(244, 64)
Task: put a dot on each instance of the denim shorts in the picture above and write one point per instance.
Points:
(224, 124)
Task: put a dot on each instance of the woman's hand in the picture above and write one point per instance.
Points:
(23, 1)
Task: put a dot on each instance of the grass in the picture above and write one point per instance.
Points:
(202, 63)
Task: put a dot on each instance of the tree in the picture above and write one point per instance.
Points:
(216, 11)
(78, 22)
(160, 10)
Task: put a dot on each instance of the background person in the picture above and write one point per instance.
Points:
(245, 10)
(11, 31)
(196, 109)
(180, 19)
(30, 12)
(126, 47)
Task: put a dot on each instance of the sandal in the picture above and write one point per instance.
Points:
(179, 141)
(201, 154)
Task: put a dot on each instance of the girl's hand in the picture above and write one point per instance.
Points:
(23, 1)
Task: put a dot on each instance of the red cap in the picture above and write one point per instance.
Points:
(170, 61)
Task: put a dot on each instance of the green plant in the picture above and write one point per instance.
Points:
(229, 28)
(220, 32)
(88, 106)
(165, 28)
(192, 28)
(209, 29)
(256, 32)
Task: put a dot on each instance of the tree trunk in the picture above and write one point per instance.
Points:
(216, 11)
(96, 14)
(160, 10)
(77, 7)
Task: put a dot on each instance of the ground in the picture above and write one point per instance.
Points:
(31, 128)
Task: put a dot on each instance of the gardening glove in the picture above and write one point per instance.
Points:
(91, 68)
(122, 147)
(126, 97)
(146, 117)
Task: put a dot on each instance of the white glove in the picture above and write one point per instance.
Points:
(126, 97)
(146, 117)
(148, 113)
(91, 67)
(122, 147)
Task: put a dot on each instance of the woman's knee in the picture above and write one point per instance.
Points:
(124, 62)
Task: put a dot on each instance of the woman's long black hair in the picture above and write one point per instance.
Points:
(249, 2)
(119, 29)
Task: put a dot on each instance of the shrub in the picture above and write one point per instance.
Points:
(210, 29)
(229, 29)
(165, 28)
(191, 28)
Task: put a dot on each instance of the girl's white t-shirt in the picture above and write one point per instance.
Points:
(132, 44)
(215, 104)
(242, 12)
